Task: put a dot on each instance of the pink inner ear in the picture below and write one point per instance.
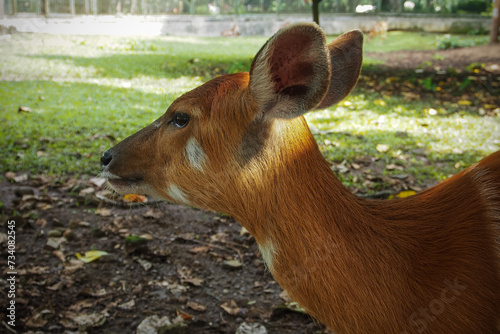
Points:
(289, 62)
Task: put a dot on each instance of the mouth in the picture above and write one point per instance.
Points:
(125, 182)
(122, 184)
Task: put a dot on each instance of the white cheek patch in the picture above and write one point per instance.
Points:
(195, 154)
(268, 252)
(177, 194)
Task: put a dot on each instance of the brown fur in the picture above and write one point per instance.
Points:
(424, 264)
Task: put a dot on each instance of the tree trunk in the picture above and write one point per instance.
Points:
(495, 22)
(315, 8)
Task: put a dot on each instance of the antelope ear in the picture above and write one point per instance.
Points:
(346, 57)
(291, 72)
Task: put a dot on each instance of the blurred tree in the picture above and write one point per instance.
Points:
(495, 22)
(315, 9)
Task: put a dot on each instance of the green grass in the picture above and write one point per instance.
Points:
(417, 141)
(87, 93)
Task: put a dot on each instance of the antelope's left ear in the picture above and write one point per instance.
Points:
(291, 73)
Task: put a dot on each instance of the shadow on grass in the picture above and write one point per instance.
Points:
(70, 124)
(128, 66)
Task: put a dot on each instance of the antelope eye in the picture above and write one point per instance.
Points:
(180, 120)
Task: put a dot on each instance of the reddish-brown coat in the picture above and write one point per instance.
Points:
(428, 263)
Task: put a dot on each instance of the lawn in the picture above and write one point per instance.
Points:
(80, 95)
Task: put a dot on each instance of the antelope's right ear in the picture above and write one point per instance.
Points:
(346, 57)
(291, 73)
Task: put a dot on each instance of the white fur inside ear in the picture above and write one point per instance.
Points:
(261, 83)
(195, 154)
(291, 73)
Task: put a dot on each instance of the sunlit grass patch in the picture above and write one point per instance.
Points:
(356, 127)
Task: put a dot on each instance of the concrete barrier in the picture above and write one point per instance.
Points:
(248, 25)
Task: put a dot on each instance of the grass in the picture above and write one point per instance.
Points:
(87, 93)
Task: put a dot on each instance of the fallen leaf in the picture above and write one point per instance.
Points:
(56, 287)
(464, 102)
(39, 318)
(78, 306)
(10, 175)
(382, 148)
(355, 166)
(82, 320)
(130, 305)
(147, 236)
(196, 306)
(176, 289)
(284, 295)
(393, 166)
(193, 281)
(24, 109)
(411, 96)
(90, 256)
(153, 324)
(88, 292)
(253, 328)
(231, 307)
(153, 214)
(295, 307)
(103, 212)
(399, 176)
(16, 178)
(219, 237)
(60, 255)
(72, 265)
(184, 315)
(135, 198)
(98, 181)
(199, 249)
(232, 264)
(146, 265)
(86, 191)
(403, 194)
(42, 222)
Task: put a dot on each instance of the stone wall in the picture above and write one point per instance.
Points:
(248, 25)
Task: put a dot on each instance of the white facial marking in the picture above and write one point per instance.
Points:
(108, 175)
(177, 194)
(195, 154)
(268, 252)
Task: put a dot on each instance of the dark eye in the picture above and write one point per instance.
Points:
(180, 120)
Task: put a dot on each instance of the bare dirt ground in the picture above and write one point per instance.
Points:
(196, 268)
(169, 267)
(489, 55)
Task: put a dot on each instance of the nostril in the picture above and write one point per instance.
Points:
(106, 158)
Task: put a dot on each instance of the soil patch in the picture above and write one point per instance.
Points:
(489, 55)
(198, 269)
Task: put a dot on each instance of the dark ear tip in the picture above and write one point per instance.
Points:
(355, 36)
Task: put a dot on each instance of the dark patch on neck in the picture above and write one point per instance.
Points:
(253, 141)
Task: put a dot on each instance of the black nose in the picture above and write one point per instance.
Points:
(106, 158)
